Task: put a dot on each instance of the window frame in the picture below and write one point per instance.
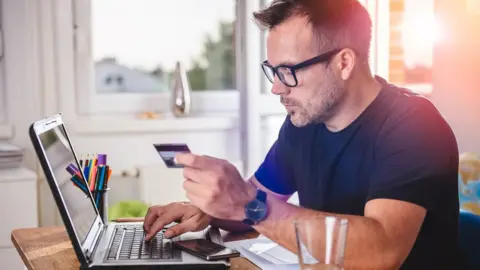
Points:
(383, 53)
(6, 130)
(3, 102)
(93, 103)
(3, 92)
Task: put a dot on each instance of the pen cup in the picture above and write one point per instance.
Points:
(101, 201)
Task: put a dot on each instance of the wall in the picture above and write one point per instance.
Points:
(456, 70)
(21, 80)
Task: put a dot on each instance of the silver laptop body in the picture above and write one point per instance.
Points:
(96, 244)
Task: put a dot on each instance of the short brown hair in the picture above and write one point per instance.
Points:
(337, 23)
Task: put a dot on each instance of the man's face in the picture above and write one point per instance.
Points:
(319, 89)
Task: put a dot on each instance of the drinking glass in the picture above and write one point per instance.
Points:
(321, 242)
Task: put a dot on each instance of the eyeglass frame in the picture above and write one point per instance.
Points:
(293, 68)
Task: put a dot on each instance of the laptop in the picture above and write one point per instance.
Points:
(98, 245)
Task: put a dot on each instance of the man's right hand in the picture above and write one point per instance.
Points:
(189, 217)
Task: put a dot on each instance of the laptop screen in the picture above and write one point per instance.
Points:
(60, 155)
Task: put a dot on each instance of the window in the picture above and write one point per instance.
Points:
(413, 31)
(126, 53)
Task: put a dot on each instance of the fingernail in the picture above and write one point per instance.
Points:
(167, 234)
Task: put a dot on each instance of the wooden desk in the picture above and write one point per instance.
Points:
(50, 248)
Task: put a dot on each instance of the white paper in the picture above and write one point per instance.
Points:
(265, 253)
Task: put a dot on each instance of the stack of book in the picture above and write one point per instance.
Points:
(11, 156)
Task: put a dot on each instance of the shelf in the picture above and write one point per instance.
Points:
(123, 125)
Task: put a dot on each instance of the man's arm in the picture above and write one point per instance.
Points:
(236, 226)
(382, 239)
(274, 172)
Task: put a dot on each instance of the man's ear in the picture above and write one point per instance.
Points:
(346, 62)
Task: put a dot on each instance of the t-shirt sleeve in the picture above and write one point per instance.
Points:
(416, 159)
(275, 173)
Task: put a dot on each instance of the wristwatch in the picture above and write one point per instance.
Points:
(256, 210)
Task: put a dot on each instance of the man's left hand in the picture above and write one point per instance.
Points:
(215, 186)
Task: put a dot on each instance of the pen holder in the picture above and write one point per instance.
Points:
(100, 197)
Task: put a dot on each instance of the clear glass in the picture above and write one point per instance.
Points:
(136, 44)
(326, 253)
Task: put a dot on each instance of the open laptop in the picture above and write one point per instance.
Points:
(96, 244)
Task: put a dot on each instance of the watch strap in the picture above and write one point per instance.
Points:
(260, 196)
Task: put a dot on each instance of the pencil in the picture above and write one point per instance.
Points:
(79, 184)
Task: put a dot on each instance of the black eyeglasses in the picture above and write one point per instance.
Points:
(286, 73)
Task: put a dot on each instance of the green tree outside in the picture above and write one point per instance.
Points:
(214, 69)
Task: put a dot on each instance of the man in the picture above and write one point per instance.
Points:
(352, 146)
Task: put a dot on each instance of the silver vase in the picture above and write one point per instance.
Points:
(181, 93)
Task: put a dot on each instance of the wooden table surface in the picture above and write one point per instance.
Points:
(50, 248)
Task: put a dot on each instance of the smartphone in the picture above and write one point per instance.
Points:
(206, 249)
(168, 151)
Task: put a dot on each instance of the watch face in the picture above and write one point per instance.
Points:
(256, 210)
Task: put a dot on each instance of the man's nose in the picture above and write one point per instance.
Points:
(278, 88)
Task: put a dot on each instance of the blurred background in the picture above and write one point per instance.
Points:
(108, 65)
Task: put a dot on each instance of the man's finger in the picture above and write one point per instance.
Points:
(197, 175)
(152, 214)
(196, 200)
(183, 227)
(192, 160)
(164, 219)
(192, 187)
(192, 174)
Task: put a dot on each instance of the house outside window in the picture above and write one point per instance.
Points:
(137, 43)
(141, 40)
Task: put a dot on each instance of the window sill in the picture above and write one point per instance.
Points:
(6, 131)
(163, 124)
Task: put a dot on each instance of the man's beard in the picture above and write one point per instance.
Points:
(320, 107)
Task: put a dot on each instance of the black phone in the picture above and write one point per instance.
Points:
(206, 249)
(168, 151)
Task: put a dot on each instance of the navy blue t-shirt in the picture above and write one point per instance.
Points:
(399, 148)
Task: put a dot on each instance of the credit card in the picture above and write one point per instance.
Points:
(168, 152)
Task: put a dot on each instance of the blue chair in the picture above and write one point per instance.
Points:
(469, 239)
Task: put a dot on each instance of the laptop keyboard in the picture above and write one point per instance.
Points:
(128, 244)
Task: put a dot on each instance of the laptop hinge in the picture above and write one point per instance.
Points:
(90, 250)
